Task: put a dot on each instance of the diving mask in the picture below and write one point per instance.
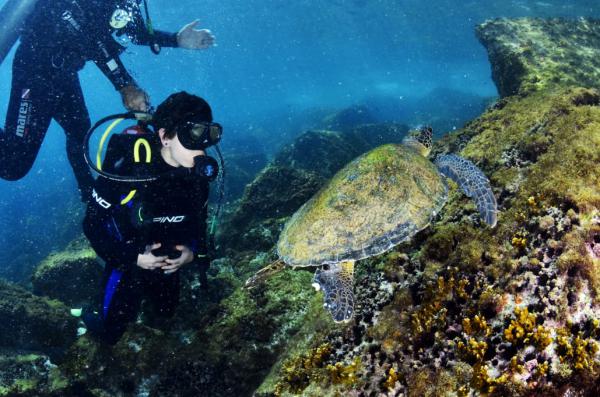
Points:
(199, 135)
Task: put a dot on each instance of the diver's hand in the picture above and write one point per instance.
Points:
(195, 39)
(174, 264)
(148, 261)
(134, 98)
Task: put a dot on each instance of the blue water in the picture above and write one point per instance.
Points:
(276, 62)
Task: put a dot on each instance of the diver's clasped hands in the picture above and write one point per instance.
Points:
(174, 264)
(149, 261)
(195, 39)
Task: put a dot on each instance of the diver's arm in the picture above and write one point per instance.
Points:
(101, 229)
(187, 37)
(108, 61)
(138, 31)
(134, 98)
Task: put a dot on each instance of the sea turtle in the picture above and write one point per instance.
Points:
(380, 199)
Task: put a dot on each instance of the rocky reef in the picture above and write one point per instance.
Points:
(33, 323)
(460, 310)
(72, 276)
(530, 55)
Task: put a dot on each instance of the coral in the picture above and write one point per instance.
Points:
(391, 380)
(580, 353)
(520, 329)
(344, 373)
(298, 371)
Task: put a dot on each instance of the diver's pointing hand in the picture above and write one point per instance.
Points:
(148, 261)
(195, 39)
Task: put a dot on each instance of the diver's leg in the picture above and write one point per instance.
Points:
(27, 119)
(120, 305)
(73, 117)
(163, 293)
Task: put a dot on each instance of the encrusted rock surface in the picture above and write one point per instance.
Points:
(530, 54)
(72, 276)
(34, 323)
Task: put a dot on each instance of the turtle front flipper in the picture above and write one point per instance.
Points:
(337, 282)
(473, 182)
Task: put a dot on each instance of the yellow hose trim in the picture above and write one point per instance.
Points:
(129, 197)
(136, 158)
(103, 139)
(136, 150)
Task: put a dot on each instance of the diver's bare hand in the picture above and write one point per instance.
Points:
(134, 98)
(148, 261)
(195, 39)
(174, 264)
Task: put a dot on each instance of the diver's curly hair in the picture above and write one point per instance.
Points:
(179, 108)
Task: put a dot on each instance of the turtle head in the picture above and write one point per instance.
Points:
(420, 140)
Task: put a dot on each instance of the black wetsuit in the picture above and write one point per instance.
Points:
(61, 35)
(171, 210)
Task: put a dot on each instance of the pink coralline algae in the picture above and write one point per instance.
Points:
(593, 248)
(593, 244)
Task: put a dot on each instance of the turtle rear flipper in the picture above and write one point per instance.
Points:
(337, 283)
(473, 182)
(264, 274)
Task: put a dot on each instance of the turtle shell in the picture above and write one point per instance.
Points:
(377, 201)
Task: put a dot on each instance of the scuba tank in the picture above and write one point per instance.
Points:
(13, 16)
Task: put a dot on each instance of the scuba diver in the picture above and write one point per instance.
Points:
(148, 213)
(57, 38)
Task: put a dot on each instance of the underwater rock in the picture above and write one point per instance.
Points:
(348, 118)
(240, 340)
(254, 225)
(72, 276)
(532, 54)
(31, 375)
(225, 350)
(33, 323)
(241, 169)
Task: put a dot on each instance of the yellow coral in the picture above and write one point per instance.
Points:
(483, 382)
(541, 337)
(473, 349)
(515, 366)
(297, 371)
(478, 325)
(460, 289)
(344, 374)
(519, 241)
(521, 328)
(580, 353)
(542, 369)
(391, 380)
